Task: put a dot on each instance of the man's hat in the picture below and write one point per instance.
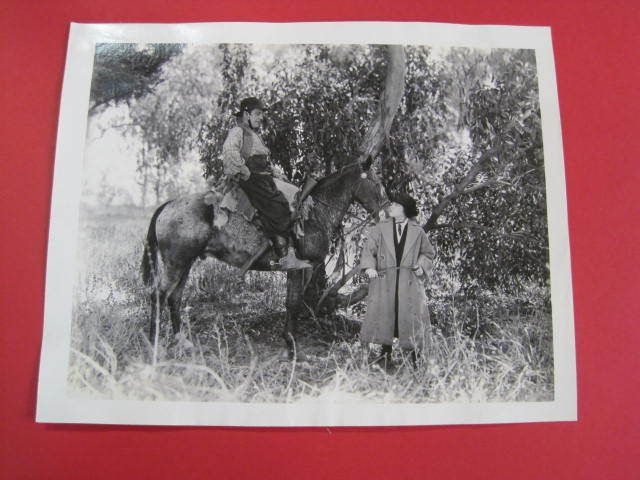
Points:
(408, 203)
(249, 104)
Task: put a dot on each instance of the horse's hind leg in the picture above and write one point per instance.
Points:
(175, 300)
(168, 291)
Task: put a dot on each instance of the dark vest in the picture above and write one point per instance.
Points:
(255, 163)
(247, 142)
(399, 246)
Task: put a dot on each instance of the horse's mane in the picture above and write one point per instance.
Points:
(333, 178)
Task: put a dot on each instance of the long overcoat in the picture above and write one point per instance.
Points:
(413, 315)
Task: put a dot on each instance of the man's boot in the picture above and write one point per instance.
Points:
(384, 360)
(288, 259)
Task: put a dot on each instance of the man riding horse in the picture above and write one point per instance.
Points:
(246, 160)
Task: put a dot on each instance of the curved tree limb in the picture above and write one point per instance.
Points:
(377, 134)
(459, 189)
(344, 301)
(333, 289)
(389, 102)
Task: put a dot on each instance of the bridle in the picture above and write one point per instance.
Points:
(359, 185)
(377, 184)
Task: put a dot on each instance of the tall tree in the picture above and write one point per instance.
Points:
(495, 212)
(123, 71)
(169, 117)
(466, 141)
(469, 142)
(320, 98)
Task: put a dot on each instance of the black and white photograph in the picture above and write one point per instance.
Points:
(321, 224)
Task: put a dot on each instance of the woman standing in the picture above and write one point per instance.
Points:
(397, 257)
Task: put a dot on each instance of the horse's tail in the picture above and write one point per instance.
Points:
(150, 255)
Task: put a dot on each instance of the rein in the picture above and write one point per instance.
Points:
(355, 193)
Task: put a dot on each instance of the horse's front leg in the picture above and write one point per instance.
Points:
(295, 306)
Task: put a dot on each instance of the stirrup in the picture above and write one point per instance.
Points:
(291, 262)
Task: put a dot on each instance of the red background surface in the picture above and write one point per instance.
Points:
(596, 47)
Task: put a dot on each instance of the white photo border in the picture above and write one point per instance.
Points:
(54, 404)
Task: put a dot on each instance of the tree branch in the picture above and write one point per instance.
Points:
(458, 190)
(521, 235)
(389, 103)
(333, 289)
(340, 300)
(489, 183)
(346, 300)
(358, 225)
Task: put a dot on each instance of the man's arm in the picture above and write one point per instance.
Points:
(426, 255)
(231, 159)
(368, 257)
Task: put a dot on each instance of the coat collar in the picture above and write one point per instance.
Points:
(413, 232)
(387, 234)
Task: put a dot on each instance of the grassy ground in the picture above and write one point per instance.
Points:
(479, 354)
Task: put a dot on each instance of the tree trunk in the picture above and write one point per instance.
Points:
(160, 179)
(377, 134)
(389, 102)
(144, 184)
(316, 286)
(143, 191)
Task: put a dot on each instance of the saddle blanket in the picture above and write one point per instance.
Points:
(234, 200)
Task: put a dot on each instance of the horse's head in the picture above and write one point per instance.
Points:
(367, 190)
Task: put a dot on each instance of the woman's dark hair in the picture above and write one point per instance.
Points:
(408, 203)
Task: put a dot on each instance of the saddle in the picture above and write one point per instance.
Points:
(227, 198)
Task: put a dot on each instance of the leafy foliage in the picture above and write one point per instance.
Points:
(466, 140)
(496, 227)
(233, 63)
(125, 71)
(319, 98)
(168, 118)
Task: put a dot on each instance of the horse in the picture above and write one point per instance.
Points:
(182, 230)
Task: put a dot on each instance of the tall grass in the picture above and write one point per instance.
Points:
(232, 345)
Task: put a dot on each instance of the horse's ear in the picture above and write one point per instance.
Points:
(366, 165)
